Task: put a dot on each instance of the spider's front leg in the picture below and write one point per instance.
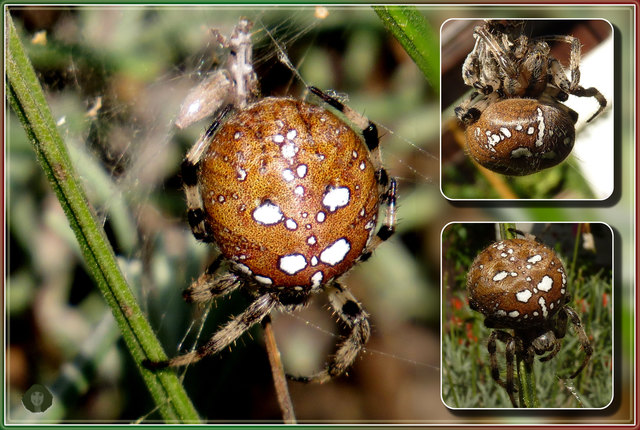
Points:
(356, 319)
(559, 77)
(224, 337)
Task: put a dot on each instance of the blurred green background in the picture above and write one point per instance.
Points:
(115, 78)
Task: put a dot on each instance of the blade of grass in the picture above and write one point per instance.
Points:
(28, 102)
(416, 36)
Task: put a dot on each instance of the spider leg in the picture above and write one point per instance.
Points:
(556, 348)
(592, 92)
(371, 139)
(388, 228)
(356, 319)
(559, 78)
(582, 336)
(209, 285)
(471, 69)
(224, 337)
(369, 129)
(195, 211)
(502, 56)
(510, 351)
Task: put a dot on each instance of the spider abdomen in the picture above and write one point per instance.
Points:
(517, 283)
(289, 192)
(521, 136)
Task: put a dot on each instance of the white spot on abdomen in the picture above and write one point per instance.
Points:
(301, 170)
(546, 284)
(292, 263)
(336, 198)
(542, 303)
(500, 276)
(291, 224)
(289, 150)
(520, 152)
(267, 213)
(535, 258)
(316, 279)
(541, 127)
(505, 131)
(242, 174)
(288, 175)
(335, 253)
(523, 296)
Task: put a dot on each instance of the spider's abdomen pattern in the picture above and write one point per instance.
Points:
(289, 192)
(521, 136)
(516, 283)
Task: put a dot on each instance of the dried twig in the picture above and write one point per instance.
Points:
(279, 378)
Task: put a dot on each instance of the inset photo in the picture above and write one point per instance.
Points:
(527, 311)
(527, 109)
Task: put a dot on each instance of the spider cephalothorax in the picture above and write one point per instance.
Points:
(290, 195)
(520, 284)
(515, 121)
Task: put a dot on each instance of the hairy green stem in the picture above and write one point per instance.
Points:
(28, 102)
(527, 384)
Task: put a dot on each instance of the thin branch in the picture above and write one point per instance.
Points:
(279, 378)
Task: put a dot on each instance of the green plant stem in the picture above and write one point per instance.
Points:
(526, 376)
(527, 380)
(27, 100)
(416, 36)
(576, 247)
(507, 230)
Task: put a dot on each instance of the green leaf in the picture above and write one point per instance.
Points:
(416, 36)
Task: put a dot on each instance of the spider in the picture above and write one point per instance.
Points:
(290, 194)
(520, 284)
(514, 119)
